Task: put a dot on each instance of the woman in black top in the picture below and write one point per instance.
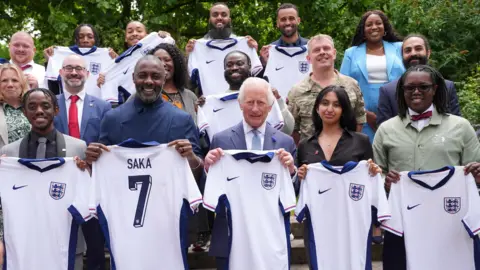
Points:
(335, 139)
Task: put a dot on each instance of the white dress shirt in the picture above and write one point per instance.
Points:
(249, 134)
(80, 101)
(420, 124)
(38, 71)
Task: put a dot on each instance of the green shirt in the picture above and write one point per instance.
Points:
(446, 140)
(17, 124)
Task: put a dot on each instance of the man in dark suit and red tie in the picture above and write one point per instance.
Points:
(415, 51)
(79, 116)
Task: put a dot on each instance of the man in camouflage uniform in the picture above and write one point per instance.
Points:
(301, 98)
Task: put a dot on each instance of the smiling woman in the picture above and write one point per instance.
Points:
(13, 85)
(374, 59)
(174, 90)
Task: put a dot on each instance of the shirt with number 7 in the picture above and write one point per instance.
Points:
(143, 194)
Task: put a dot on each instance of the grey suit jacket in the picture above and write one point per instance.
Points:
(234, 139)
(66, 147)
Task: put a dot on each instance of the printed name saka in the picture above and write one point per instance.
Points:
(139, 163)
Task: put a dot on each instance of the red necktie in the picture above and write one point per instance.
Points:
(25, 67)
(424, 115)
(73, 128)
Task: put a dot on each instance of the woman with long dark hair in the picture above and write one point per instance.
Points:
(174, 90)
(374, 59)
(335, 139)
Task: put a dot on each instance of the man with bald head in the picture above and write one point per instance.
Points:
(22, 50)
(149, 118)
(79, 116)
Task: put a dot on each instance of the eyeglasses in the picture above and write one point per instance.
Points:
(76, 68)
(422, 88)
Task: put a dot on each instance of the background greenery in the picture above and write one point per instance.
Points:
(451, 26)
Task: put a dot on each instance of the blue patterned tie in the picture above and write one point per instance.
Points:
(256, 141)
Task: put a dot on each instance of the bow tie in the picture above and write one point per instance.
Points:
(25, 67)
(424, 115)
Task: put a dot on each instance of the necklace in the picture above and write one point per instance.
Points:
(374, 50)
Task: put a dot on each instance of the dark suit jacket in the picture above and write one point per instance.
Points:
(387, 101)
(94, 109)
(234, 139)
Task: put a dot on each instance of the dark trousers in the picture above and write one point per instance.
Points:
(205, 218)
(95, 245)
(222, 263)
(394, 256)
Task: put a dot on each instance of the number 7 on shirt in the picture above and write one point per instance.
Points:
(146, 182)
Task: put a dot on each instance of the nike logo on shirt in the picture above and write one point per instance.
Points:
(208, 62)
(15, 188)
(231, 178)
(321, 192)
(277, 69)
(411, 207)
(125, 71)
(216, 110)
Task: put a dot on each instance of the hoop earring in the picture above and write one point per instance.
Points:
(385, 34)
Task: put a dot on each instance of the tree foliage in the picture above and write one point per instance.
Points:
(451, 26)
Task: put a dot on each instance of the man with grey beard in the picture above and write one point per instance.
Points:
(148, 118)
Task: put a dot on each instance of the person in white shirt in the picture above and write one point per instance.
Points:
(237, 66)
(22, 49)
(220, 25)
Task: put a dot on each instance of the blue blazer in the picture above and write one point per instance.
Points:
(355, 65)
(231, 139)
(94, 110)
(388, 106)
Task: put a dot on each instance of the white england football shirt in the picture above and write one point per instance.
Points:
(96, 59)
(286, 66)
(43, 203)
(205, 63)
(438, 214)
(257, 191)
(223, 111)
(118, 77)
(336, 203)
(143, 199)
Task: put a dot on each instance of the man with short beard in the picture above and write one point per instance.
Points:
(220, 27)
(237, 69)
(79, 116)
(287, 22)
(415, 51)
(148, 118)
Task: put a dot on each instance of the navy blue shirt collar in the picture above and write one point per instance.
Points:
(140, 106)
(299, 42)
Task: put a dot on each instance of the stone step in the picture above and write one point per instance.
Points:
(201, 260)
(375, 266)
(296, 228)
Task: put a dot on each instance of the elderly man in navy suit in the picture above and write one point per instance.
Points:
(415, 51)
(79, 116)
(253, 133)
